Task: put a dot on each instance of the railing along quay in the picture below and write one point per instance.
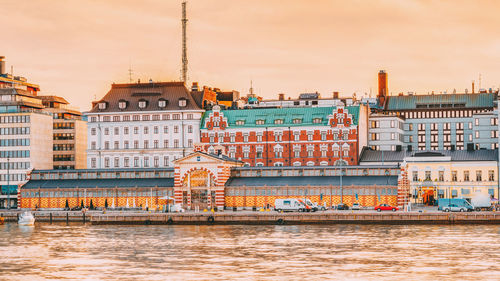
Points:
(298, 218)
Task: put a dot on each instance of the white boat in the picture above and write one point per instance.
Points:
(26, 218)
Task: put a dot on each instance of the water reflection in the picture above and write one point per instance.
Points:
(368, 252)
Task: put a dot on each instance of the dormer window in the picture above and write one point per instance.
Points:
(259, 122)
(122, 104)
(102, 105)
(317, 120)
(182, 102)
(278, 121)
(162, 103)
(240, 122)
(297, 121)
(143, 104)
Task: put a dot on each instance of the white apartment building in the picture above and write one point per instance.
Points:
(25, 141)
(142, 125)
(385, 132)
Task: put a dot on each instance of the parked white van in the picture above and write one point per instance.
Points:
(289, 205)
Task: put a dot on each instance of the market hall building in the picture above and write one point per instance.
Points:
(204, 181)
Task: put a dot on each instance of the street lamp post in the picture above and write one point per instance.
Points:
(8, 183)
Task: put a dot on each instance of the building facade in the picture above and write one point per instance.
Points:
(286, 137)
(70, 134)
(203, 181)
(442, 122)
(25, 141)
(442, 174)
(142, 125)
(386, 132)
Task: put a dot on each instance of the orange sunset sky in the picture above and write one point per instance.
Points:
(76, 49)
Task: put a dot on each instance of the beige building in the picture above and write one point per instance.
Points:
(452, 174)
(70, 134)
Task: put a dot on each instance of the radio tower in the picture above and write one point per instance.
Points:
(184, 47)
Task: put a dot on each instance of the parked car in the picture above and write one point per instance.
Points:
(342, 207)
(316, 206)
(386, 207)
(454, 208)
(356, 206)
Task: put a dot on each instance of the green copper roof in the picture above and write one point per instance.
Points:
(288, 115)
(483, 100)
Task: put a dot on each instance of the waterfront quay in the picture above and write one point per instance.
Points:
(259, 217)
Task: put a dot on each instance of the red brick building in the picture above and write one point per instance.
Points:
(309, 136)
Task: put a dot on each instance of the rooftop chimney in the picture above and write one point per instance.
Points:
(473, 86)
(281, 96)
(335, 95)
(2, 65)
(382, 86)
(194, 87)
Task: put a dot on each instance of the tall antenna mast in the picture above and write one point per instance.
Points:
(184, 47)
(130, 73)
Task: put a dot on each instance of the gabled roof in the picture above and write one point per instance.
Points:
(221, 157)
(288, 114)
(409, 102)
(150, 92)
(53, 99)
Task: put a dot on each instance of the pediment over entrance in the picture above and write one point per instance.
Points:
(202, 158)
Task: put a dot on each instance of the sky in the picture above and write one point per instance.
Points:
(77, 48)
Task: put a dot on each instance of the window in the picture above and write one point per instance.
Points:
(136, 130)
(106, 131)
(125, 130)
(146, 144)
(479, 176)
(233, 136)
(102, 105)
(190, 143)
(428, 176)
(393, 136)
(93, 131)
(491, 174)
(240, 122)
(106, 145)
(296, 136)
(415, 176)
(477, 134)
(278, 137)
(259, 122)
(126, 162)
(466, 176)
(309, 136)
(245, 137)
(117, 145)
(117, 131)
(142, 104)
(155, 144)
(146, 130)
(165, 161)
(476, 121)
(162, 103)
(375, 124)
(156, 117)
(176, 129)
(93, 162)
(182, 102)
(323, 136)
(106, 162)
(176, 143)
(393, 123)
(92, 145)
(165, 129)
(190, 129)
(165, 143)
(126, 118)
(155, 129)
(297, 121)
(122, 104)
(441, 176)
(136, 144)
(125, 145)
(453, 175)
(278, 121)
(136, 161)
(156, 161)
(117, 162)
(317, 120)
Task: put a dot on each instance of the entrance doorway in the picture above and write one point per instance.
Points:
(199, 199)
